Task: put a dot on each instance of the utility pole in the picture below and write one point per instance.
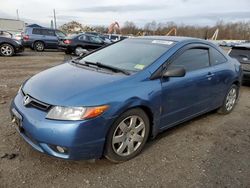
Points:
(17, 14)
(55, 18)
(51, 24)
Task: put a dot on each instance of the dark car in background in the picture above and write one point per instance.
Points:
(80, 43)
(41, 38)
(242, 54)
(114, 37)
(103, 37)
(10, 46)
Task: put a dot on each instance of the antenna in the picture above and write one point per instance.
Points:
(55, 18)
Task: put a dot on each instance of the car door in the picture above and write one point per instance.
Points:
(50, 38)
(188, 96)
(220, 82)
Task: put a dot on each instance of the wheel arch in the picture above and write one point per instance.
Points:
(148, 111)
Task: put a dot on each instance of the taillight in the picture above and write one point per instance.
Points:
(26, 37)
(67, 41)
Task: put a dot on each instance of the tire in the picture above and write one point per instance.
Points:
(230, 100)
(78, 50)
(127, 136)
(38, 46)
(7, 50)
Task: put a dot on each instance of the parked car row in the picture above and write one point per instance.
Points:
(40, 38)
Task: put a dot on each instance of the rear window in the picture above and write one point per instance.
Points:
(240, 53)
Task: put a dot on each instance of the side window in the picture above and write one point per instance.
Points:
(83, 38)
(192, 59)
(48, 32)
(95, 40)
(37, 31)
(216, 57)
(44, 32)
(51, 32)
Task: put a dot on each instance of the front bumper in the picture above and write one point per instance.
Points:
(19, 49)
(82, 139)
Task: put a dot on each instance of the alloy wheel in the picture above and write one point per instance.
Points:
(39, 46)
(128, 136)
(6, 50)
(231, 99)
(78, 51)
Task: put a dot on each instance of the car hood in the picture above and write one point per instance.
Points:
(69, 84)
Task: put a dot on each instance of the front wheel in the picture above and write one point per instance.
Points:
(230, 100)
(127, 136)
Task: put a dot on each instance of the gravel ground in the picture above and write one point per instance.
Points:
(210, 151)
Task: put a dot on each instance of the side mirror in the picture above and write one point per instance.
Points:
(175, 72)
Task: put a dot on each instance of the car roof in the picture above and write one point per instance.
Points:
(171, 38)
(244, 45)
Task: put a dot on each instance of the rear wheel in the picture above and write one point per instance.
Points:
(7, 50)
(127, 136)
(79, 50)
(230, 100)
(39, 46)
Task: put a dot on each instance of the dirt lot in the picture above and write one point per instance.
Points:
(210, 151)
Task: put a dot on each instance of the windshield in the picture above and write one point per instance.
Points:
(130, 54)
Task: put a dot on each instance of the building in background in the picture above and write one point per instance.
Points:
(11, 25)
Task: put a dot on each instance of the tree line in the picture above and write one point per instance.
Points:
(230, 31)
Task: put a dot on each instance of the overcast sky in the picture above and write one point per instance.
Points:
(104, 12)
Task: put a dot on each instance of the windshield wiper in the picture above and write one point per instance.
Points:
(79, 63)
(114, 69)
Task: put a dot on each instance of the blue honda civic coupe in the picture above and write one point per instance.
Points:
(111, 101)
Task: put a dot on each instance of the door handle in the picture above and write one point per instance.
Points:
(210, 74)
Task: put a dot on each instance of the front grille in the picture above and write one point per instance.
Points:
(36, 103)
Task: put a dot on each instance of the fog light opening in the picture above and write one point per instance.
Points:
(59, 149)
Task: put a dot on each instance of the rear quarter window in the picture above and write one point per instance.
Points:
(217, 57)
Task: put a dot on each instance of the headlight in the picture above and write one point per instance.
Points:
(75, 113)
